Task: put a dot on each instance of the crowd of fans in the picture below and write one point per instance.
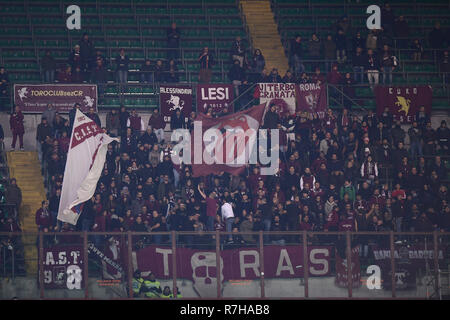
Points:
(335, 174)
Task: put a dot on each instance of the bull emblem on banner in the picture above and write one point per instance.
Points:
(404, 103)
(175, 102)
(311, 100)
(22, 93)
(88, 101)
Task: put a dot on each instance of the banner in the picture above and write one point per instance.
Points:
(239, 132)
(217, 96)
(281, 94)
(312, 98)
(85, 161)
(235, 264)
(63, 267)
(342, 269)
(408, 260)
(111, 259)
(33, 98)
(172, 98)
(403, 102)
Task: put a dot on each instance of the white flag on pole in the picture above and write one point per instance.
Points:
(85, 161)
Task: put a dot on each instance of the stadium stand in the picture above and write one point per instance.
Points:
(322, 17)
(139, 27)
(351, 170)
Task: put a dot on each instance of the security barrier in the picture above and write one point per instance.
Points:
(221, 265)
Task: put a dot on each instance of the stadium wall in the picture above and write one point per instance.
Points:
(319, 288)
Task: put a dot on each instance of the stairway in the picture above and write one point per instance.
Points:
(264, 33)
(26, 168)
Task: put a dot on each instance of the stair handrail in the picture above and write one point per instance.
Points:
(246, 27)
(354, 102)
(252, 86)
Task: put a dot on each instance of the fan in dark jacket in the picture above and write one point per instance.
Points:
(147, 72)
(274, 77)
(13, 194)
(236, 75)
(349, 90)
(271, 118)
(358, 41)
(341, 46)
(436, 37)
(48, 65)
(177, 120)
(122, 62)
(289, 77)
(94, 117)
(43, 131)
(100, 76)
(172, 72)
(86, 50)
(314, 47)
(173, 41)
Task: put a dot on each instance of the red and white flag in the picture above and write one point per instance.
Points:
(230, 152)
(85, 161)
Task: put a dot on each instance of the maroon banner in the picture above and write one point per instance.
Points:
(63, 267)
(342, 270)
(112, 257)
(403, 102)
(312, 98)
(416, 254)
(172, 98)
(33, 98)
(235, 264)
(408, 260)
(233, 128)
(217, 96)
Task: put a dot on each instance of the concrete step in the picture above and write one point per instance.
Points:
(30, 186)
(26, 168)
(31, 169)
(264, 32)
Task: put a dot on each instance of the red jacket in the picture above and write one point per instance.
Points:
(152, 205)
(100, 223)
(135, 123)
(332, 220)
(334, 77)
(16, 123)
(11, 227)
(380, 200)
(43, 218)
(348, 224)
(64, 144)
(305, 226)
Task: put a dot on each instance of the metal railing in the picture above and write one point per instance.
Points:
(434, 246)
